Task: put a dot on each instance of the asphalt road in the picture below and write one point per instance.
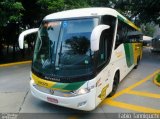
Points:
(136, 93)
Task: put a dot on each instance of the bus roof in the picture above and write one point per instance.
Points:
(89, 12)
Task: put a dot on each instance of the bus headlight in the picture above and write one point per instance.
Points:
(33, 83)
(84, 90)
(81, 91)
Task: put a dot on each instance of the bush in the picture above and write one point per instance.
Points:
(158, 78)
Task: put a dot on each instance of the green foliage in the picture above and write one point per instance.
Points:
(148, 29)
(51, 5)
(15, 14)
(140, 11)
(158, 78)
(10, 11)
(103, 3)
(72, 4)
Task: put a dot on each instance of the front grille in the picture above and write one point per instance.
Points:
(55, 92)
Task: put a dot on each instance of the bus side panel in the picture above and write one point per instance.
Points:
(123, 59)
(104, 80)
(103, 84)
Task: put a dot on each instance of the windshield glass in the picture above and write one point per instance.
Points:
(63, 48)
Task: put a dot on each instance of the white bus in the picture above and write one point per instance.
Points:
(81, 55)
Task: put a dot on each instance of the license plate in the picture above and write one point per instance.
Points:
(52, 100)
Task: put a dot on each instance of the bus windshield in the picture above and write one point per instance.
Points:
(62, 48)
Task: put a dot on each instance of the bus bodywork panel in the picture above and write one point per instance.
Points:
(133, 53)
(81, 102)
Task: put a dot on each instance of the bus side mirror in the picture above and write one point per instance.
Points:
(95, 36)
(25, 33)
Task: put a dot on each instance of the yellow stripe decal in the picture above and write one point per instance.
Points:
(65, 87)
(133, 25)
(42, 82)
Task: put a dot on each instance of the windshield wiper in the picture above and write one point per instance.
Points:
(52, 52)
(60, 53)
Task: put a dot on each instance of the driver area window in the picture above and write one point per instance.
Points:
(106, 41)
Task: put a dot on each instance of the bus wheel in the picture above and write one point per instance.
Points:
(115, 84)
(138, 59)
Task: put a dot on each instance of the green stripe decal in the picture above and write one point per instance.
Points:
(120, 18)
(129, 54)
(68, 86)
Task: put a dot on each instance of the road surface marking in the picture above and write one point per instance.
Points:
(135, 85)
(16, 63)
(145, 94)
(130, 106)
(111, 102)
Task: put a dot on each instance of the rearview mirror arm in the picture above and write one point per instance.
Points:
(95, 36)
(25, 33)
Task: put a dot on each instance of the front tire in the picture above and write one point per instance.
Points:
(115, 84)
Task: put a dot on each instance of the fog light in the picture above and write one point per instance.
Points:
(81, 103)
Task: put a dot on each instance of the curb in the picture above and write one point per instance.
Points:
(155, 81)
(15, 63)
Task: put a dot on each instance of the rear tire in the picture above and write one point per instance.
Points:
(115, 84)
(136, 66)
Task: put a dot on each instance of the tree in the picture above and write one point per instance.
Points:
(72, 4)
(10, 14)
(140, 11)
(103, 3)
(144, 13)
(148, 29)
(50, 6)
(26, 14)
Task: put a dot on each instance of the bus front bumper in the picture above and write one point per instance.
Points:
(84, 102)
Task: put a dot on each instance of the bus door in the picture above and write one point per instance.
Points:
(102, 69)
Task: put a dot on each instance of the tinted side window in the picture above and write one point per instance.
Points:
(102, 53)
(121, 35)
(126, 34)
